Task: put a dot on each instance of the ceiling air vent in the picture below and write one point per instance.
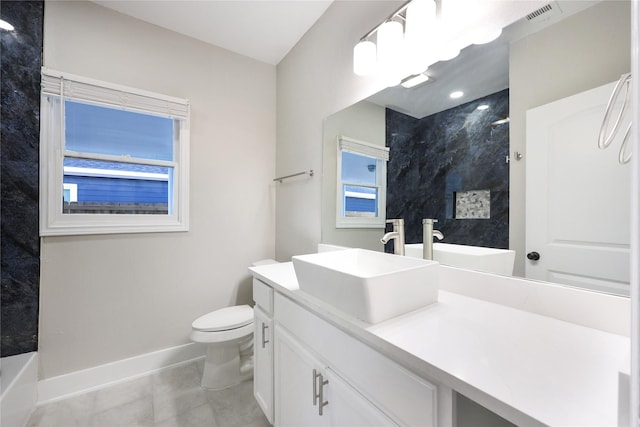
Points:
(545, 12)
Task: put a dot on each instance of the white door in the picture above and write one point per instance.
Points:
(577, 196)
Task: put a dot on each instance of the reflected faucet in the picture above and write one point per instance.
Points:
(397, 235)
(428, 233)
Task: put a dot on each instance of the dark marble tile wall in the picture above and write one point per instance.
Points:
(20, 62)
(454, 150)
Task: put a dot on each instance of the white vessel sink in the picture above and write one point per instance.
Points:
(490, 260)
(369, 285)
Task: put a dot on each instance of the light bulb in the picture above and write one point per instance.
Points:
(419, 29)
(364, 58)
(390, 52)
(486, 35)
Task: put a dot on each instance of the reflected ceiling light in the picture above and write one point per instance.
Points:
(4, 25)
(457, 94)
(482, 107)
(364, 58)
(500, 122)
(415, 80)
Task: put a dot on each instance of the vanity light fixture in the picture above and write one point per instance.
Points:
(414, 80)
(418, 34)
(4, 25)
(401, 42)
(457, 94)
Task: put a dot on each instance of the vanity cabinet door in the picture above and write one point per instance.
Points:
(296, 388)
(263, 362)
(308, 393)
(346, 407)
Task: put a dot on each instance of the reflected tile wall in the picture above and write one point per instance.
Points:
(20, 134)
(452, 151)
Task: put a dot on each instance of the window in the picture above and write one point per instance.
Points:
(362, 184)
(112, 159)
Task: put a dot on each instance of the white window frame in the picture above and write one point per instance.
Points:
(57, 87)
(381, 154)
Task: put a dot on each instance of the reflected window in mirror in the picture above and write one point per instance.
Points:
(362, 184)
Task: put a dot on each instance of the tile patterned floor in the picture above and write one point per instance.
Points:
(171, 397)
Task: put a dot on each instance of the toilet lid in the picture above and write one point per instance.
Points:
(224, 319)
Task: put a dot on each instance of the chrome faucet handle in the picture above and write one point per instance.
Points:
(395, 221)
(429, 221)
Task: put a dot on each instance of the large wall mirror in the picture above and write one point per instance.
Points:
(513, 163)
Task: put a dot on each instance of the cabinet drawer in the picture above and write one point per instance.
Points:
(403, 396)
(263, 296)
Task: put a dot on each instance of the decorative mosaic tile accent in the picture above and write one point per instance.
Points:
(474, 204)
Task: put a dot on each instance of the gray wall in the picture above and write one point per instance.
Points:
(107, 298)
(363, 121)
(589, 49)
(20, 135)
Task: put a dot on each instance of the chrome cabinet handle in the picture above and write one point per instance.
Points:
(322, 402)
(264, 340)
(315, 387)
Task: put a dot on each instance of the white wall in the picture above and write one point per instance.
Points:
(105, 298)
(565, 66)
(314, 81)
(363, 121)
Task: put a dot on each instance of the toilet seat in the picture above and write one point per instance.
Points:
(225, 319)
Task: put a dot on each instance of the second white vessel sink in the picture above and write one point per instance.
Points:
(371, 286)
(490, 260)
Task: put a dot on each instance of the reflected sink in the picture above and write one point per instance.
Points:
(490, 260)
(371, 286)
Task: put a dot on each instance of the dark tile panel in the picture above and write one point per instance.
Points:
(20, 64)
(454, 150)
(23, 46)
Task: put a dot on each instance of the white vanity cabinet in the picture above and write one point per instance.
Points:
(308, 393)
(263, 347)
(362, 387)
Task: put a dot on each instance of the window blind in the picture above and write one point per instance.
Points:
(79, 88)
(364, 148)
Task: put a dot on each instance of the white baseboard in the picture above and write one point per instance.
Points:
(78, 382)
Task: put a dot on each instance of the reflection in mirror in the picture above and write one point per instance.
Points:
(361, 189)
(449, 158)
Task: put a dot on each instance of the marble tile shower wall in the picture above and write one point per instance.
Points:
(20, 134)
(457, 150)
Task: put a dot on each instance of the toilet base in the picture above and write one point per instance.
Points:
(224, 367)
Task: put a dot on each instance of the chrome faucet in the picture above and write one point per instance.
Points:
(428, 233)
(397, 235)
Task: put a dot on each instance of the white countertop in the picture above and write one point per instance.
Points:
(555, 372)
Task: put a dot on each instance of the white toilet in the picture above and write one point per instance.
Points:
(228, 334)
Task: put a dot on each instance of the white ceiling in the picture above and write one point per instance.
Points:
(265, 30)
